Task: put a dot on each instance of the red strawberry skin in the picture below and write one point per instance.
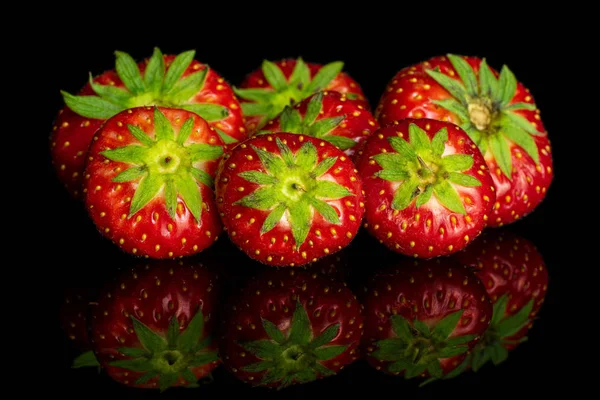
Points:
(72, 134)
(272, 296)
(411, 94)
(74, 316)
(430, 230)
(427, 291)
(151, 231)
(277, 247)
(358, 124)
(153, 293)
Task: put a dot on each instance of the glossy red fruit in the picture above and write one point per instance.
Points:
(289, 199)
(423, 317)
(428, 191)
(169, 81)
(268, 90)
(289, 327)
(152, 328)
(329, 116)
(496, 111)
(516, 279)
(149, 182)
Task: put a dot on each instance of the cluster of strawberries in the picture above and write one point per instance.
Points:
(166, 157)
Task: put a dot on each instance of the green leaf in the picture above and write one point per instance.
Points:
(203, 359)
(291, 120)
(155, 72)
(487, 80)
(314, 107)
(273, 331)
(176, 70)
(225, 137)
(189, 376)
(173, 332)
(457, 162)
(399, 366)
(274, 75)
(87, 359)
(453, 86)
(499, 310)
(258, 366)
(307, 156)
(323, 166)
(414, 370)
(210, 112)
(300, 75)
(479, 359)
(324, 371)
(258, 177)
(520, 106)
(91, 106)
(326, 336)
(401, 327)
(424, 197)
(455, 107)
(458, 340)
(438, 143)
(286, 153)
(391, 161)
(185, 88)
(166, 381)
(202, 177)
(341, 142)
(132, 154)
(151, 341)
(326, 74)
(129, 73)
(202, 344)
(507, 86)
(306, 375)
(147, 189)
(190, 193)
(134, 352)
(421, 327)
(327, 211)
(448, 196)
(264, 349)
(390, 349)
(501, 151)
(300, 329)
(435, 369)
(171, 197)
(250, 109)
(498, 353)
(259, 95)
(522, 122)
(329, 352)
(463, 179)
(137, 365)
(140, 135)
(272, 376)
(448, 352)
(446, 325)
(392, 175)
(189, 338)
(325, 125)
(523, 140)
(404, 195)
(162, 126)
(462, 367)
(204, 152)
(466, 73)
(513, 324)
(263, 198)
(130, 174)
(474, 134)
(273, 164)
(273, 218)
(185, 131)
(330, 190)
(113, 94)
(145, 378)
(403, 148)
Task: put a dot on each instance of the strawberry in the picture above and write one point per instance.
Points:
(267, 91)
(497, 112)
(151, 328)
(169, 81)
(516, 279)
(428, 191)
(288, 199)
(422, 318)
(329, 116)
(148, 182)
(291, 326)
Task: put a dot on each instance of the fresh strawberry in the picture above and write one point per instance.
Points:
(169, 81)
(291, 326)
(495, 110)
(149, 182)
(422, 318)
(516, 278)
(428, 191)
(152, 327)
(266, 91)
(289, 199)
(329, 116)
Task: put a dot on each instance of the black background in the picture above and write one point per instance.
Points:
(374, 46)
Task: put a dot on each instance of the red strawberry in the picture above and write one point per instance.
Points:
(329, 116)
(289, 199)
(152, 327)
(291, 326)
(148, 182)
(495, 110)
(427, 188)
(266, 91)
(516, 279)
(423, 318)
(170, 81)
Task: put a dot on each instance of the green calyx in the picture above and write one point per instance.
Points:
(165, 166)
(159, 86)
(295, 357)
(168, 357)
(482, 103)
(424, 171)
(290, 187)
(270, 102)
(419, 347)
